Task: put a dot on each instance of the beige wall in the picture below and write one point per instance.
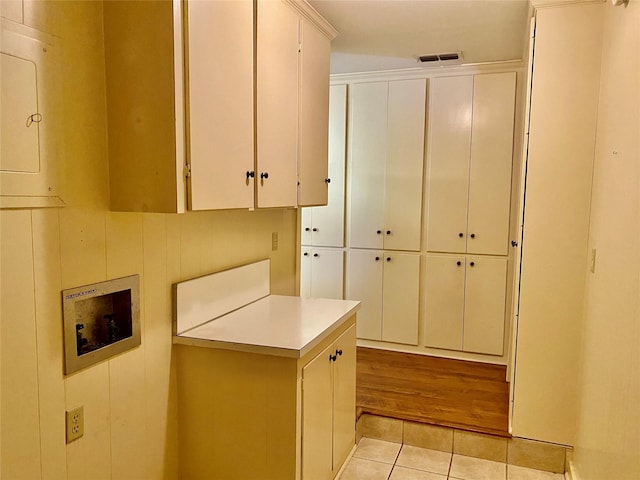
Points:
(129, 401)
(608, 435)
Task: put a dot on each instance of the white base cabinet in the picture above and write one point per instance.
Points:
(321, 272)
(328, 412)
(387, 284)
(464, 303)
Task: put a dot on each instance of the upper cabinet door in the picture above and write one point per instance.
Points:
(276, 104)
(405, 160)
(450, 112)
(314, 116)
(491, 159)
(220, 99)
(367, 163)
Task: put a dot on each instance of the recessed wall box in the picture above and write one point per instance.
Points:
(100, 321)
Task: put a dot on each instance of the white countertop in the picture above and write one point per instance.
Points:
(274, 325)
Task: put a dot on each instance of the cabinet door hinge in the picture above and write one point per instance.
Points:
(187, 170)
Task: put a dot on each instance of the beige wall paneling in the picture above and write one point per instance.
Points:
(12, 10)
(314, 116)
(491, 160)
(160, 412)
(220, 90)
(277, 104)
(46, 260)
(400, 297)
(556, 219)
(484, 304)
(20, 408)
(195, 247)
(124, 256)
(608, 427)
(367, 164)
(90, 455)
(328, 221)
(449, 143)
(405, 159)
(364, 283)
(144, 124)
(444, 301)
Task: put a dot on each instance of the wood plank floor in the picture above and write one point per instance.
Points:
(452, 393)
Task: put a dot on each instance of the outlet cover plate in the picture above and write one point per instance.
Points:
(75, 424)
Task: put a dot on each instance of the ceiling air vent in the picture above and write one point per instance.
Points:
(440, 57)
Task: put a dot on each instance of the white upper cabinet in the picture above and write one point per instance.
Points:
(386, 164)
(228, 113)
(313, 171)
(277, 48)
(321, 272)
(324, 226)
(220, 98)
(471, 121)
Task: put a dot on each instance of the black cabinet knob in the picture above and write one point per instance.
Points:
(332, 358)
(316, 255)
(306, 254)
(388, 259)
(264, 175)
(377, 259)
(327, 180)
(457, 263)
(388, 232)
(250, 174)
(514, 243)
(307, 229)
(314, 229)
(339, 352)
(461, 234)
(378, 232)
(473, 235)
(472, 263)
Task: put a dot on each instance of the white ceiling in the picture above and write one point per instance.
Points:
(390, 34)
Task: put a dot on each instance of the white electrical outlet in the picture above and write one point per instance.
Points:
(75, 424)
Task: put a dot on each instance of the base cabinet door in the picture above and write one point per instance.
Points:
(328, 408)
(387, 284)
(321, 273)
(464, 303)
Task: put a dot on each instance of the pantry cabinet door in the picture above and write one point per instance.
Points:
(314, 116)
(364, 283)
(220, 98)
(444, 301)
(405, 160)
(491, 160)
(305, 272)
(328, 221)
(400, 298)
(367, 160)
(277, 104)
(344, 396)
(317, 418)
(484, 302)
(450, 113)
(327, 267)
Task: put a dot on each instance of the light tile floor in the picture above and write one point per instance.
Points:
(381, 460)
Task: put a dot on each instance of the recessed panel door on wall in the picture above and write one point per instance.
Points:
(324, 226)
(364, 283)
(314, 116)
(220, 99)
(484, 304)
(277, 104)
(400, 299)
(444, 301)
(491, 159)
(344, 396)
(450, 113)
(321, 273)
(367, 163)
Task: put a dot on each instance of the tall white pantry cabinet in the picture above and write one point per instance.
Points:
(428, 204)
